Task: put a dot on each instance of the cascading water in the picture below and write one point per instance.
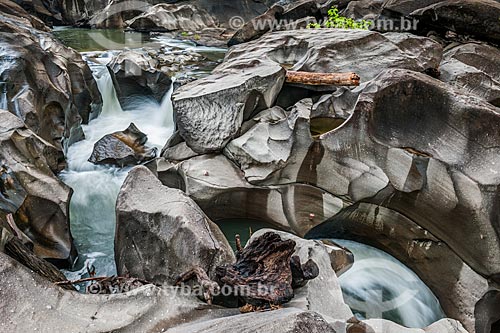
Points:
(379, 286)
(3, 96)
(92, 208)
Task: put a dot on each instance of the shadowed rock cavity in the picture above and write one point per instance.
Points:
(136, 74)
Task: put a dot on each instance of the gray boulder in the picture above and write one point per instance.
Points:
(123, 148)
(210, 111)
(136, 74)
(477, 18)
(475, 68)
(172, 17)
(385, 326)
(406, 7)
(162, 233)
(30, 190)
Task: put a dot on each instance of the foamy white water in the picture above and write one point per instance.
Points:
(379, 286)
(92, 208)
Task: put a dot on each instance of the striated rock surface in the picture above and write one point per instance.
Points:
(477, 18)
(172, 17)
(146, 309)
(30, 190)
(474, 68)
(162, 233)
(279, 321)
(209, 111)
(49, 86)
(123, 148)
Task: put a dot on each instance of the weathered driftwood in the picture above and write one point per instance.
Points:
(209, 287)
(16, 249)
(323, 79)
(264, 274)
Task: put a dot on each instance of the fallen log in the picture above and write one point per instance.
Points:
(15, 248)
(264, 275)
(322, 79)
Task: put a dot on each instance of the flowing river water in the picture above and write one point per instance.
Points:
(377, 286)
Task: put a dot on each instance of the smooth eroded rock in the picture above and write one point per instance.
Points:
(162, 233)
(46, 84)
(30, 190)
(136, 74)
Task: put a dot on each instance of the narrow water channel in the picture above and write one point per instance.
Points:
(92, 207)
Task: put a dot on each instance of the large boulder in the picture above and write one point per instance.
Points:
(341, 50)
(137, 74)
(210, 111)
(475, 68)
(30, 190)
(162, 233)
(406, 7)
(477, 18)
(50, 87)
(172, 17)
(123, 148)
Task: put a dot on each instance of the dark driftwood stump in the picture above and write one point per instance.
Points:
(264, 274)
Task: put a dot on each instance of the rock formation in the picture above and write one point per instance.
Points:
(49, 86)
(123, 148)
(159, 239)
(30, 190)
(137, 74)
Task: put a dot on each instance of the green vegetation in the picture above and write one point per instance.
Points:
(336, 21)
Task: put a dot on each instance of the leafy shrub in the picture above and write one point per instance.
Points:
(334, 20)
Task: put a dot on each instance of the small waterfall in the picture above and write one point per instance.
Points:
(3, 96)
(379, 286)
(92, 207)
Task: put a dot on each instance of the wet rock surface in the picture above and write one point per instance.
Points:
(477, 18)
(30, 190)
(123, 148)
(49, 86)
